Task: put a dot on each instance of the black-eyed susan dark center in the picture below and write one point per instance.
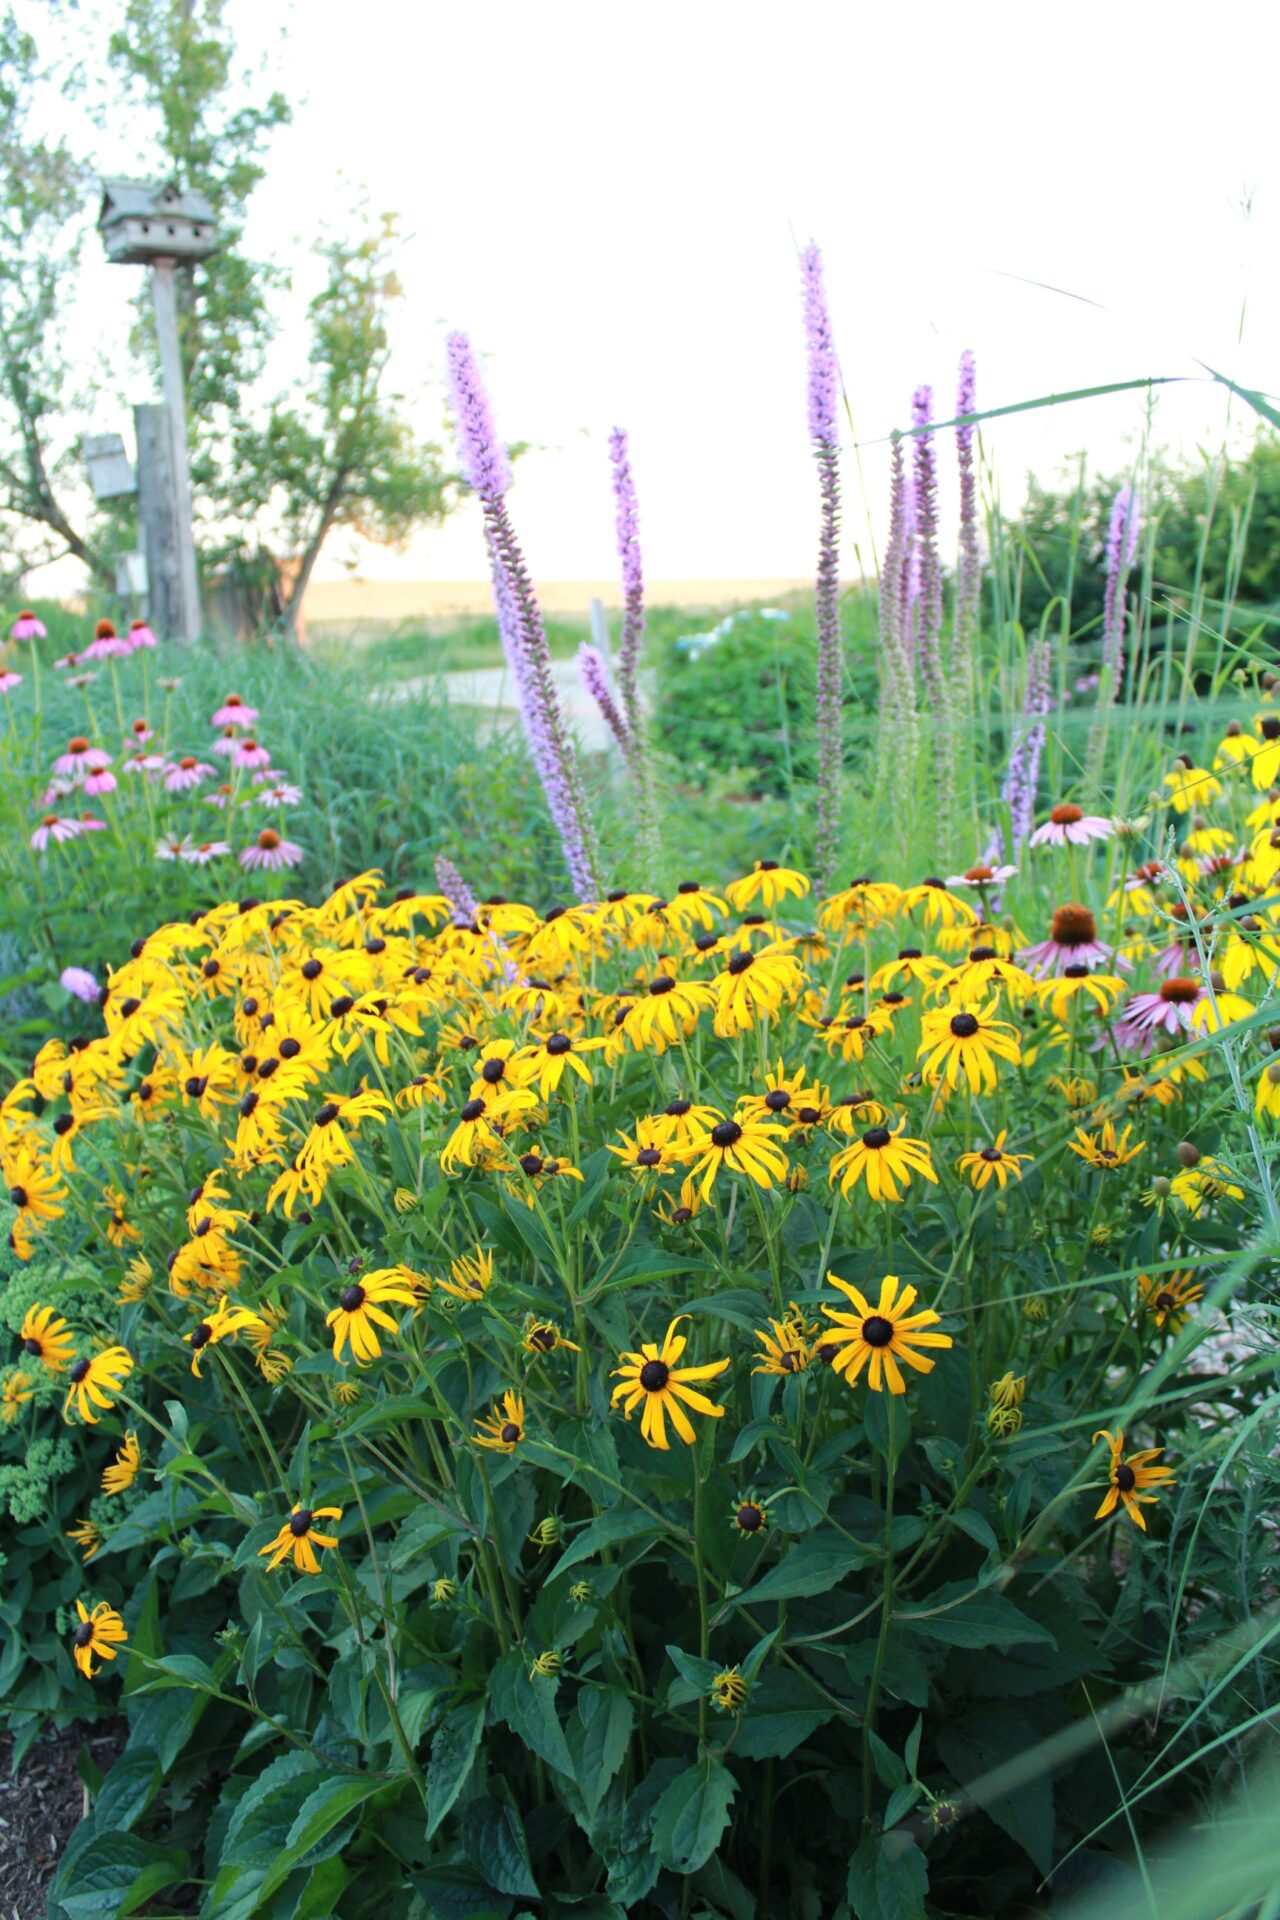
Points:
(877, 1331)
(654, 1375)
(726, 1133)
(964, 1025)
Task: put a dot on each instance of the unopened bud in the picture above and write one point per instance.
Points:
(1162, 1186)
(1188, 1154)
(1234, 729)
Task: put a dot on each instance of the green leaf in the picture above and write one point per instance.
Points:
(987, 1738)
(114, 1874)
(457, 1892)
(695, 1679)
(979, 1619)
(887, 1423)
(496, 1847)
(321, 1812)
(127, 1791)
(814, 1565)
(608, 1531)
(452, 1752)
(782, 1710)
(887, 1881)
(692, 1815)
(599, 1734)
(527, 1704)
(633, 1868)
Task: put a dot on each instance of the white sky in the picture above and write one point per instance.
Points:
(609, 200)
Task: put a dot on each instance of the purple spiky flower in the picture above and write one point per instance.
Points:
(627, 523)
(595, 678)
(969, 568)
(823, 392)
(486, 468)
(456, 891)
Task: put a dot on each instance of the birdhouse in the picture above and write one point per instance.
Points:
(111, 474)
(146, 220)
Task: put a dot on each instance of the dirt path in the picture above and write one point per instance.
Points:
(491, 689)
(40, 1808)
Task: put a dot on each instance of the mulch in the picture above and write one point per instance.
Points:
(40, 1808)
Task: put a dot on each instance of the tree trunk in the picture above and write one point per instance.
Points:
(328, 514)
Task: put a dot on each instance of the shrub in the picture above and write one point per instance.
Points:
(447, 1588)
(736, 701)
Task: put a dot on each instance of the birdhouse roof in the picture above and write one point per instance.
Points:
(121, 198)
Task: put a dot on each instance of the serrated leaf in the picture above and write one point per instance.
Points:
(610, 1530)
(984, 1740)
(496, 1847)
(983, 1618)
(887, 1880)
(115, 1874)
(527, 1704)
(452, 1752)
(599, 1734)
(692, 1815)
(695, 1679)
(127, 1791)
(782, 1710)
(633, 1869)
(813, 1565)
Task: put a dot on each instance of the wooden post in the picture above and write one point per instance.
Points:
(164, 296)
(157, 530)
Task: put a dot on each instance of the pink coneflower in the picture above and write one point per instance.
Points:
(74, 759)
(88, 823)
(201, 855)
(271, 852)
(181, 775)
(234, 713)
(1068, 825)
(982, 876)
(27, 627)
(174, 846)
(281, 795)
(148, 763)
(68, 660)
(56, 827)
(265, 776)
(98, 777)
(1167, 1010)
(57, 789)
(1073, 942)
(80, 984)
(8, 681)
(140, 732)
(81, 679)
(247, 753)
(222, 798)
(225, 744)
(140, 635)
(106, 644)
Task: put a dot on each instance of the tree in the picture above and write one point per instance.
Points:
(176, 57)
(345, 457)
(42, 195)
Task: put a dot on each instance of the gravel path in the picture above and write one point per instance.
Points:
(491, 689)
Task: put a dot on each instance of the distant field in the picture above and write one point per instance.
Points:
(356, 605)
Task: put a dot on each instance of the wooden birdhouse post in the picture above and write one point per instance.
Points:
(157, 224)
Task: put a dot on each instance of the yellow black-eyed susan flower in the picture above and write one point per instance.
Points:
(1104, 1150)
(97, 1383)
(767, 883)
(97, 1636)
(298, 1537)
(938, 907)
(137, 1280)
(1169, 1297)
(16, 1389)
(864, 902)
(753, 986)
(1130, 1477)
(503, 1429)
(728, 1691)
(885, 1159)
(580, 1593)
(553, 1056)
(879, 1337)
(443, 1591)
(738, 1145)
(477, 1124)
(782, 1350)
(361, 1310)
(46, 1337)
(35, 1193)
(544, 1336)
(224, 1322)
(964, 1043)
(87, 1536)
(995, 1162)
(345, 1393)
(1209, 1180)
(1102, 990)
(654, 1380)
(649, 1151)
(471, 1275)
(547, 1532)
(665, 1012)
(749, 1515)
(124, 1469)
(547, 1665)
